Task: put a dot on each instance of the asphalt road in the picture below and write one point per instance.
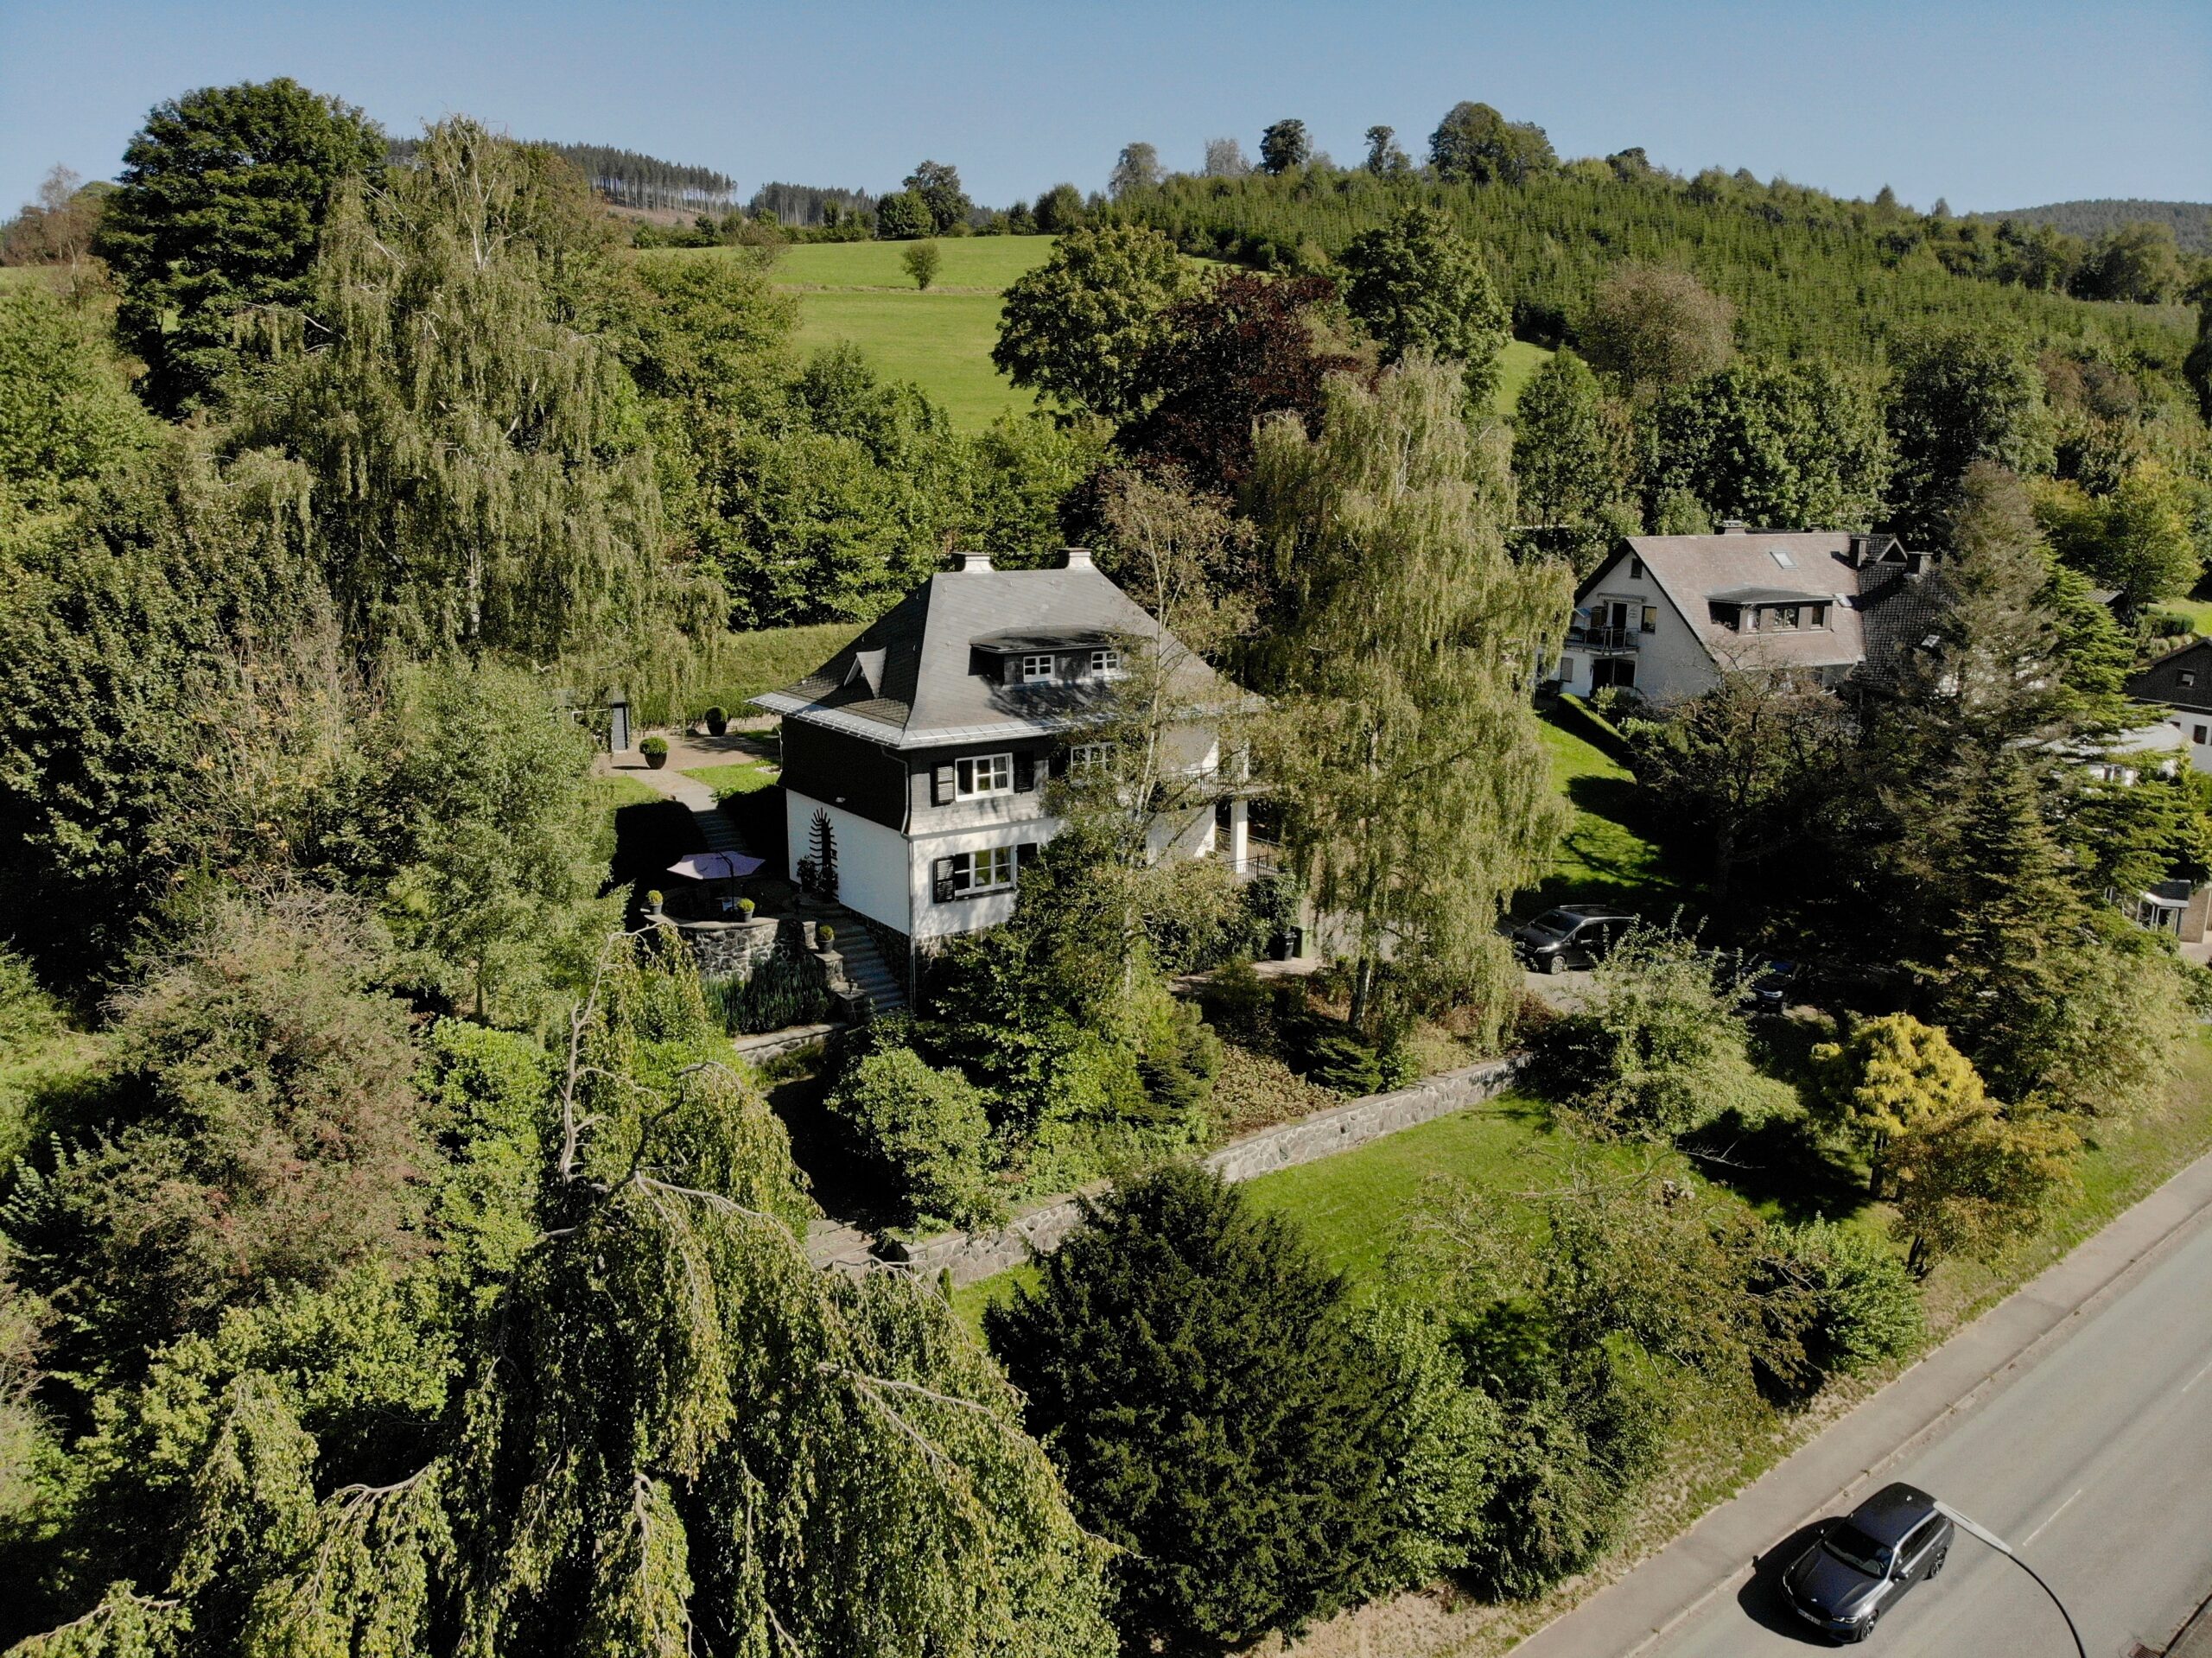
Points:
(2096, 1465)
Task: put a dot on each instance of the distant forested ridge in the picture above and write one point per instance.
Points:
(631, 180)
(2191, 221)
(1810, 275)
(806, 205)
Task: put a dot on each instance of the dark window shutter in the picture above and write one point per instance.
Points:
(941, 880)
(1024, 855)
(1025, 772)
(941, 785)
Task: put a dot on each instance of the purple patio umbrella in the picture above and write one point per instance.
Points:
(716, 865)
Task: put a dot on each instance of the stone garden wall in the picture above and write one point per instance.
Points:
(969, 1257)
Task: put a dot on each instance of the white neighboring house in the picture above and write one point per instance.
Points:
(1668, 615)
(927, 741)
(2180, 682)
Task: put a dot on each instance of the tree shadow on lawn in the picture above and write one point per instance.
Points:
(1780, 1163)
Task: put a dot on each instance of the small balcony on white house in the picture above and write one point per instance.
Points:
(1612, 624)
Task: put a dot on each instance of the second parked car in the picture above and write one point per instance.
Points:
(1574, 936)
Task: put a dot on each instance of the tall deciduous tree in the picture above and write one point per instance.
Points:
(1384, 158)
(939, 186)
(1569, 458)
(1400, 663)
(1475, 143)
(1284, 146)
(484, 480)
(2137, 539)
(1799, 446)
(1078, 327)
(1654, 328)
(1420, 286)
(1192, 1366)
(1240, 349)
(1961, 398)
(1137, 168)
(224, 195)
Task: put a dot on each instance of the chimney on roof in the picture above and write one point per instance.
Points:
(1734, 527)
(972, 563)
(1078, 558)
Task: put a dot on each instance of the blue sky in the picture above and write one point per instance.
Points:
(1989, 105)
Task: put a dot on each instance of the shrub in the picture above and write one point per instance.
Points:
(654, 748)
(1192, 1366)
(924, 1131)
(1179, 1060)
(1439, 1477)
(1658, 1047)
(717, 720)
(1343, 1063)
(1836, 1300)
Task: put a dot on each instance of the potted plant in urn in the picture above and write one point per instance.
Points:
(745, 909)
(655, 749)
(717, 721)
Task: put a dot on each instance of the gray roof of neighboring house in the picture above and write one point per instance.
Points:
(908, 681)
(1695, 569)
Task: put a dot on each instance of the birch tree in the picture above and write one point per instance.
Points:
(1402, 741)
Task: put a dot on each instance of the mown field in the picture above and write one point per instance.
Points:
(941, 339)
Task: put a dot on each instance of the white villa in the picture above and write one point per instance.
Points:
(1668, 615)
(928, 741)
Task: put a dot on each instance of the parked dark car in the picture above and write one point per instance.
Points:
(1769, 984)
(1575, 935)
(1862, 1565)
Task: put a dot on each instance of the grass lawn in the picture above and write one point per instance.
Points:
(941, 342)
(984, 263)
(741, 779)
(1521, 360)
(1604, 858)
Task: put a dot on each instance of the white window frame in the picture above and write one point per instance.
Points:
(1039, 668)
(982, 777)
(1088, 759)
(986, 870)
(1105, 663)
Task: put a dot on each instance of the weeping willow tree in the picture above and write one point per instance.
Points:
(1418, 794)
(484, 480)
(668, 1435)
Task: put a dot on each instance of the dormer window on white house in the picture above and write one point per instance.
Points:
(1039, 669)
(983, 777)
(1105, 663)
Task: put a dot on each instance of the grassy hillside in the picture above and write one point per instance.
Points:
(984, 264)
(942, 339)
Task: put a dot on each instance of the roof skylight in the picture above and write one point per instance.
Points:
(1781, 555)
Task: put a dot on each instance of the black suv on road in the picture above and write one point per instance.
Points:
(1864, 1564)
(1575, 935)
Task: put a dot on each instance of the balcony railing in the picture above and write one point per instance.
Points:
(1605, 638)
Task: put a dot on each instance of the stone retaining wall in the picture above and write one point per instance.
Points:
(1308, 1140)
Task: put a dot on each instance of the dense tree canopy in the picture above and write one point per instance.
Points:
(1474, 142)
(1800, 447)
(1420, 286)
(224, 195)
(1079, 326)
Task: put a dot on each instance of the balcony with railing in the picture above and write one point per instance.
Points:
(1595, 637)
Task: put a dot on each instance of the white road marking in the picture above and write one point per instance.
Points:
(2054, 1513)
(2194, 1380)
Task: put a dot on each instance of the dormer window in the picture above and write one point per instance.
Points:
(1728, 616)
(1104, 662)
(1039, 669)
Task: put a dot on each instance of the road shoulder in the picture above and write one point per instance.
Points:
(1716, 1554)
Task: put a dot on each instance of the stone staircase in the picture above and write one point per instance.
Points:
(864, 963)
